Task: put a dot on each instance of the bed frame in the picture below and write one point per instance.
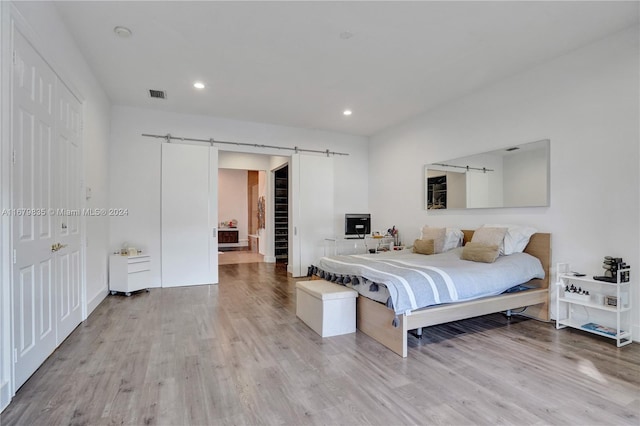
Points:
(374, 319)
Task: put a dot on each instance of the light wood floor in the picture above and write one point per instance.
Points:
(236, 354)
(239, 256)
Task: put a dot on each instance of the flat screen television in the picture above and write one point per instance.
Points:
(357, 225)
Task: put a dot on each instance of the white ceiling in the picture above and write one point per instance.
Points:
(286, 63)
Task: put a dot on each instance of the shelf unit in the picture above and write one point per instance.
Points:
(281, 215)
(621, 333)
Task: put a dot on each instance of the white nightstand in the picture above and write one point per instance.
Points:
(129, 273)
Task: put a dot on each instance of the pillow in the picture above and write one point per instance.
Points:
(435, 234)
(424, 246)
(489, 236)
(453, 238)
(516, 239)
(478, 252)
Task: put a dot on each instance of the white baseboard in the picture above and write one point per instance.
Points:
(269, 259)
(635, 333)
(93, 303)
(5, 396)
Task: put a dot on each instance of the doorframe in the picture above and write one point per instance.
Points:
(11, 20)
(6, 311)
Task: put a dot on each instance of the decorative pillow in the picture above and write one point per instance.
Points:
(424, 246)
(489, 236)
(516, 239)
(478, 252)
(435, 234)
(453, 238)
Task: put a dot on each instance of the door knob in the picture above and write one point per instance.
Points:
(57, 246)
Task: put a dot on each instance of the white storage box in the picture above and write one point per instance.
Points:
(328, 308)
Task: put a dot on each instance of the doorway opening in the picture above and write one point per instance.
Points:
(239, 192)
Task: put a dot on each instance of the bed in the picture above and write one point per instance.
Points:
(388, 323)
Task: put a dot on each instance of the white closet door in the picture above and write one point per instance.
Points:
(33, 139)
(189, 215)
(311, 210)
(69, 190)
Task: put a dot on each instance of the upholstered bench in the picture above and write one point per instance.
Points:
(328, 308)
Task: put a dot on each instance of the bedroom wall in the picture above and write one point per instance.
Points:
(47, 31)
(135, 166)
(586, 103)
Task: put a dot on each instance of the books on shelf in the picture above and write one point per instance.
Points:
(600, 328)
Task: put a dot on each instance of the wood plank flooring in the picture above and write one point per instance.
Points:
(240, 256)
(236, 354)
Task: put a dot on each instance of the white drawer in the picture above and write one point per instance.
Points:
(139, 280)
(139, 266)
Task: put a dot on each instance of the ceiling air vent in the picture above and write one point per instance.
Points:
(160, 94)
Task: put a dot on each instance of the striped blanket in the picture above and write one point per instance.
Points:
(416, 281)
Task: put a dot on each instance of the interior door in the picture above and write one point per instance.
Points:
(189, 215)
(34, 150)
(311, 210)
(68, 259)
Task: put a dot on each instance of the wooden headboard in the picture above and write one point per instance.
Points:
(539, 246)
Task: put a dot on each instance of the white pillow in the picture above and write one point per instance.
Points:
(516, 239)
(452, 239)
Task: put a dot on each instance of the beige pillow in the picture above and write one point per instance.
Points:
(435, 234)
(489, 236)
(423, 246)
(478, 252)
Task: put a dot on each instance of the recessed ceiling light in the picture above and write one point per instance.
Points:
(347, 112)
(123, 32)
(198, 85)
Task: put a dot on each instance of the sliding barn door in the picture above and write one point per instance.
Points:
(311, 210)
(189, 215)
(46, 142)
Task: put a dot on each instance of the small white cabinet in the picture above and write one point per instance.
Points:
(611, 299)
(129, 273)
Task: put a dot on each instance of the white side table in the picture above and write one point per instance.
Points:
(129, 273)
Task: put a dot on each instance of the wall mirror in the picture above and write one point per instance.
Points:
(516, 176)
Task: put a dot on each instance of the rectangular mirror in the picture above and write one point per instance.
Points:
(516, 176)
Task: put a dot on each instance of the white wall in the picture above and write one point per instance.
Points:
(135, 166)
(586, 103)
(232, 199)
(47, 32)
